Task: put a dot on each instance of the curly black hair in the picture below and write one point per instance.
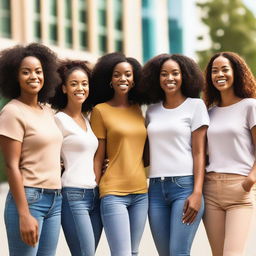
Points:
(244, 82)
(192, 78)
(10, 61)
(66, 67)
(102, 76)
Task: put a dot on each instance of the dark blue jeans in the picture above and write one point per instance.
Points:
(166, 201)
(81, 220)
(45, 206)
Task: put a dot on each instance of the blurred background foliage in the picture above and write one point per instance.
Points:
(232, 27)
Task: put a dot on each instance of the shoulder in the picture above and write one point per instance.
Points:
(196, 102)
(154, 107)
(12, 108)
(249, 102)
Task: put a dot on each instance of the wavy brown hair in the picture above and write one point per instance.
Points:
(244, 81)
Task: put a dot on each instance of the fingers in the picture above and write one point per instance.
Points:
(30, 238)
(189, 214)
(29, 234)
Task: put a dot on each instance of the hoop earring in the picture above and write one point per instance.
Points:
(111, 85)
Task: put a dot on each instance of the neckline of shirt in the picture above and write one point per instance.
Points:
(172, 109)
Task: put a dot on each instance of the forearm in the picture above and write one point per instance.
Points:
(17, 189)
(199, 166)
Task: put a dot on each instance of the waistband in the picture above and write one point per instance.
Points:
(223, 176)
(80, 189)
(45, 190)
(171, 178)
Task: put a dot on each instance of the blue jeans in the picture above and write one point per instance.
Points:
(45, 206)
(81, 220)
(166, 201)
(124, 219)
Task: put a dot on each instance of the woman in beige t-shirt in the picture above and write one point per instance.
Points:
(31, 143)
(119, 126)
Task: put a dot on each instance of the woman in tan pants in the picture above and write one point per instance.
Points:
(231, 173)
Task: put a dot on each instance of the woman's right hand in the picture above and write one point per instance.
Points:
(29, 229)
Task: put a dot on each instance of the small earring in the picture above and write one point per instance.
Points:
(133, 84)
(111, 85)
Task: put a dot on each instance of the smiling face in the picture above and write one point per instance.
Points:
(122, 78)
(170, 77)
(30, 76)
(222, 74)
(77, 87)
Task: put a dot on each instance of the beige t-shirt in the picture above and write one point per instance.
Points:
(125, 134)
(41, 143)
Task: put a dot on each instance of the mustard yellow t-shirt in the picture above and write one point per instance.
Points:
(125, 134)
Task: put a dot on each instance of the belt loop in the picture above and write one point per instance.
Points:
(173, 179)
(42, 190)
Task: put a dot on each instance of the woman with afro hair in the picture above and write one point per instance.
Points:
(231, 138)
(31, 143)
(177, 121)
(118, 123)
(80, 217)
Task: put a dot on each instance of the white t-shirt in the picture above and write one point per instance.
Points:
(230, 145)
(169, 134)
(77, 152)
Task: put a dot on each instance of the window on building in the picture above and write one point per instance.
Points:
(53, 29)
(102, 21)
(5, 18)
(82, 24)
(68, 23)
(118, 25)
(36, 20)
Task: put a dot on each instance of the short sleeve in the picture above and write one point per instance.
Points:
(97, 124)
(200, 117)
(251, 115)
(11, 123)
(58, 121)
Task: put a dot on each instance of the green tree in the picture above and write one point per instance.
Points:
(232, 27)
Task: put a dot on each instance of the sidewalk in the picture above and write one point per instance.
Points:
(147, 248)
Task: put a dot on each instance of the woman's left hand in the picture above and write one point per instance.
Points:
(191, 207)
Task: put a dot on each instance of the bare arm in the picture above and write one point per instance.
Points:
(251, 179)
(146, 159)
(193, 202)
(99, 159)
(28, 224)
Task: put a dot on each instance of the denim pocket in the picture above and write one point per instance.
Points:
(185, 181)
(75, 195)
(33, 196)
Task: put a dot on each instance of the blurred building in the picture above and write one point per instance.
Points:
(74, 28)
(169, 26)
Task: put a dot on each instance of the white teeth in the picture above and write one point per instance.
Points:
(79, 94)
(172, 85)
(123, 85)
(221, 81)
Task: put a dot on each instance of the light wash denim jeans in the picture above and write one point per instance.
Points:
(45, 206)
(81, 220)
(166, 201)
(124, 219)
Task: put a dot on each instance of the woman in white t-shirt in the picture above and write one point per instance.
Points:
(231, 173)
(81, 221)
(176, 126)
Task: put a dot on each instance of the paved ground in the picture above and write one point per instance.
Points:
(200, 245)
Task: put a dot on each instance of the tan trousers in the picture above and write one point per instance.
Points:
(228, 214)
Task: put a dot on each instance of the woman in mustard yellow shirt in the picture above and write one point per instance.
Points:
(118, 123)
